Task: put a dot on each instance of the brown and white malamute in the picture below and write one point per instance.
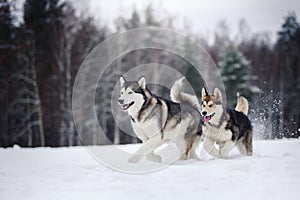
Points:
(225, 127)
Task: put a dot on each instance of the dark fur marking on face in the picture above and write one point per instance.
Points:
(212, 98)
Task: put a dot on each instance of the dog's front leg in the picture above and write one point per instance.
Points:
(148, 147)
(151, 156)
(226, 148)
(209, 146)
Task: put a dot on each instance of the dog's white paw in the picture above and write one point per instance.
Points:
(134, 158)
(223, 155)
(153, 157)
(215, 153)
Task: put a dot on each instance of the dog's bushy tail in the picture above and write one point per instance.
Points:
(242, 105)
(181, 97)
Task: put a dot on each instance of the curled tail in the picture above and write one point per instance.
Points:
(242, 105)
(181, 97)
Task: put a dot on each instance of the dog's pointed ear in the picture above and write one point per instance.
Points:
(218, 94)
(204, 92)
(142, 82)
(122, 81)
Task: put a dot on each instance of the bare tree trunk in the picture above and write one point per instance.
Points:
(37, 96)
(39, 108)
(117, 71)
(71, 128)
(60, 63)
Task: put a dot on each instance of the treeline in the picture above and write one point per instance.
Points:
(41, 55)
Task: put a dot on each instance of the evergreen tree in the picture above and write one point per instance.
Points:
(44, 19)
(5, 21)
(150, 19)
(288, 48)
(235, 69)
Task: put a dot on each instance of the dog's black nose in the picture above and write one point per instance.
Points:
(204, 113)
(121, 101)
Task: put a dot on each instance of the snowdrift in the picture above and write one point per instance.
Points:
(72, 173)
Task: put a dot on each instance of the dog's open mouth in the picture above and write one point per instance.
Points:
(126, 106)
(208, 117)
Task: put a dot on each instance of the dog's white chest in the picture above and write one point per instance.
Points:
(217, 133)
(147, 128)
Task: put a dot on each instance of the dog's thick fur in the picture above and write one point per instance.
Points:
(156, 120)
(225, 127)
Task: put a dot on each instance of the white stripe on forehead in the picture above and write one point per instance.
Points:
(127, 89)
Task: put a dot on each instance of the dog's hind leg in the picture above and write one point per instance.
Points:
(181, 145)
(191, 148)
(245, 145)
(249, 142)
(148, 147)
(241, 147)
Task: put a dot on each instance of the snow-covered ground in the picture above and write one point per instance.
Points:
(72, 173)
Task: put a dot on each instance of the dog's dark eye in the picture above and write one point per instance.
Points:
(130, 92)
(210, 105)
(121, 93)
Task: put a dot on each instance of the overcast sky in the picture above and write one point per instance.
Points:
(202, 16)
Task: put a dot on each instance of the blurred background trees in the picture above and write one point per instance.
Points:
(288, 50)
(237, 75)
(40, 56)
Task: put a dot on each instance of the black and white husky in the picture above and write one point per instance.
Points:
(156, 120)
(225, 127)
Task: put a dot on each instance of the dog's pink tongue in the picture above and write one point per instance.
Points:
(124, 106)
(206, 118)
